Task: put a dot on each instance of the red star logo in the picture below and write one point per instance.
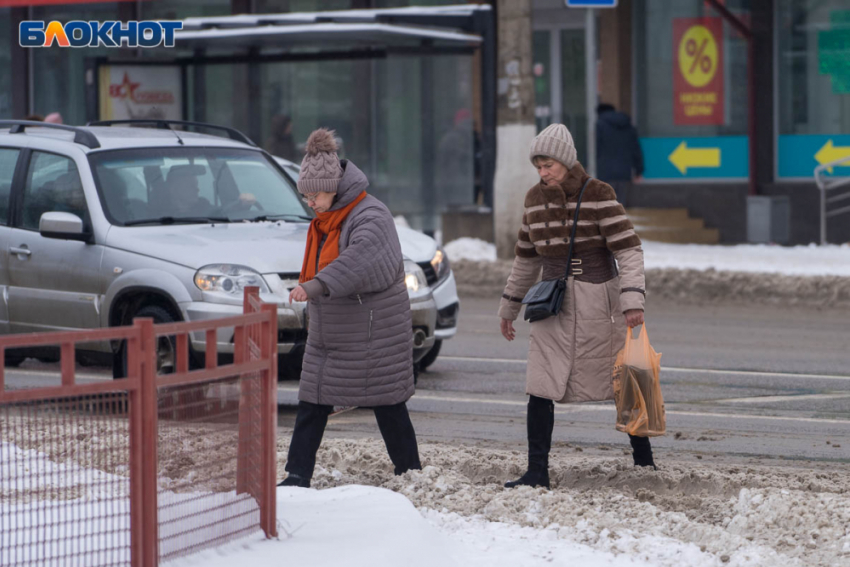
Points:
(125, 89)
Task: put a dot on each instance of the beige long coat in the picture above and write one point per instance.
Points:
(571, 356)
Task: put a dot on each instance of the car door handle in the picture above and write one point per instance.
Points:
(20, 251)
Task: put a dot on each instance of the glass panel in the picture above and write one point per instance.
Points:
(814, 67)
(8, 160)
(53, 184)
(655, 58)
(541, 53)
(405, 121)
(170, 10)
(274, 6)
(136, 185)
(65, 66)
(6, 65)
(574, 89)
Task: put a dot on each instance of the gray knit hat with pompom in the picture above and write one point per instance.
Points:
(320, 169)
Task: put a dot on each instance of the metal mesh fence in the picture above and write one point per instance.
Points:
(207, 462)
(65, 481)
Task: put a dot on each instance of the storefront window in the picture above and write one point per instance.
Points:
(59, 74)
(5, 63)
(689, 82)
(170, 10)
(280, 6)
(814, 86)
(814, 67)
(407, 122)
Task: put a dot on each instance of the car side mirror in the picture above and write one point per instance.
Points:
(63, 226)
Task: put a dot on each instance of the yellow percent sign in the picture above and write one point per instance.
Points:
(698, 56)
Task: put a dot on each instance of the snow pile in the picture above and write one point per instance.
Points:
(683, 514)
(473, 249)
(812, 260)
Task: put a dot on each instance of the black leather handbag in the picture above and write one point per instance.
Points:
(546, 297)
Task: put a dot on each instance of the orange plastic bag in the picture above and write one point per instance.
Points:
(637, 391)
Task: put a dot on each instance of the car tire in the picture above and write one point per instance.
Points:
(432, 355)
(165, 363)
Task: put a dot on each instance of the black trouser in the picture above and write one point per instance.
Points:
(540, 423)
(393, 421)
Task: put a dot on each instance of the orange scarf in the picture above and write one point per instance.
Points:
(328, 223)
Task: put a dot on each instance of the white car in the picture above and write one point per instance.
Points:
(423, 250)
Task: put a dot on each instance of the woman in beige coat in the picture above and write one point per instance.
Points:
(571, 356)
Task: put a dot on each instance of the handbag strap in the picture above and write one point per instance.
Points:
(573, 232)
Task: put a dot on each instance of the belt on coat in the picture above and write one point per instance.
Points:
(595, 265)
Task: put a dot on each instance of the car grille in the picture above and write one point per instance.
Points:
(430, 273)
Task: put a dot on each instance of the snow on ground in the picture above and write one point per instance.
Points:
(473, 249)
(809, 260)
(601, 510)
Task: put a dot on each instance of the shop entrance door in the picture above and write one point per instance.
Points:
(560, 83)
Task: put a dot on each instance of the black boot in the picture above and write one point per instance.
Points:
(539, 423)
(399, 437)
(642, 452)
(295, 480)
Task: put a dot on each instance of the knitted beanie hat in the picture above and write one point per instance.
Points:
(554, 142)
(320, 169)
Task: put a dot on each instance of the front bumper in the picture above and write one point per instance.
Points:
(292, 327)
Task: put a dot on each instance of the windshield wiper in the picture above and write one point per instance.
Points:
(177, 220)
(262, 218)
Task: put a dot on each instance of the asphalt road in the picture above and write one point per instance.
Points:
(739, 382)
(748, 382)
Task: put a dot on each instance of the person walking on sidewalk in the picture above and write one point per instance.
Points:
(571, 355)
(360, 340)
(619, 158)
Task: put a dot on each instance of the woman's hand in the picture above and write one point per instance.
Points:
(298, 294)
(508, 329)
(634, 317)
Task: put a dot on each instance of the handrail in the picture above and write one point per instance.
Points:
(81, 135)
(163, 124)
(825, 184)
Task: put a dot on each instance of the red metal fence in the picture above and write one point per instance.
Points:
(147, 468)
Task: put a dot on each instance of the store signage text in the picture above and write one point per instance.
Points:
(80, 33)
(698, 71)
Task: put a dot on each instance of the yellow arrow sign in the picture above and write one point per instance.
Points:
(684, 157)
(830, 153)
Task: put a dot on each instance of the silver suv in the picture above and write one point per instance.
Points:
(105, 223)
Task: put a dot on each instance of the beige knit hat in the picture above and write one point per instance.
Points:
(320, 169)
(554, 142)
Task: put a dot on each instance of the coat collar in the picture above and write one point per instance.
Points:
(571, 185)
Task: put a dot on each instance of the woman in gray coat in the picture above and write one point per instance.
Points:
(360, 340)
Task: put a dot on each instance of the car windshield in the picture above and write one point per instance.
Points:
(164, 186)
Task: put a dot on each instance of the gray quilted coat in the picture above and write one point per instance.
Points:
(359, 339)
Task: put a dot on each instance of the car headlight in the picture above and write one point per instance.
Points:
(414, 277)
(440, 263)
(229, 279)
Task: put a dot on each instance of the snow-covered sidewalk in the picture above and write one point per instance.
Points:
(752, 258)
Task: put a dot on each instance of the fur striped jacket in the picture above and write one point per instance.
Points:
(602, 223)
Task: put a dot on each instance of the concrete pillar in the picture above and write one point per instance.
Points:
(615, 55)
(515, 122)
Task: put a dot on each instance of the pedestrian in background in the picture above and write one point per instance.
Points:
(571, 355)
(360, 338)
(619, 158)
(281, 143)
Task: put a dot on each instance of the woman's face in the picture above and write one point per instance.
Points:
(551, 171)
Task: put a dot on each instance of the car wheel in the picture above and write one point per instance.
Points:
(432, 355)
(166, 348)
